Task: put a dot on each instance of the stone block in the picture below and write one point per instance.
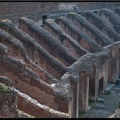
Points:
(99, 105)
(118, 82)
(100, 100)
(107, 91)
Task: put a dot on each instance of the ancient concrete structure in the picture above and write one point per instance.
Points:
(35, 10)
(58, 67)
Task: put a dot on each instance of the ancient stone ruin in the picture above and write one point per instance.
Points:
(54, 69)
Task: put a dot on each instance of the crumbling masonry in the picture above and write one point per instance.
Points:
(58, 67)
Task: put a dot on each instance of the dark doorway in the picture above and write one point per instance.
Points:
(100, 89)
(91, 87)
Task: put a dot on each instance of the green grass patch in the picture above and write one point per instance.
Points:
(81, 113)
(90, 102)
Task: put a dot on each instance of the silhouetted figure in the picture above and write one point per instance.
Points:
(44, 18)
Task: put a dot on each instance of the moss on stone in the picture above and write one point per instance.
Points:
(6, 21)
(71, 14)
(3, 87)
